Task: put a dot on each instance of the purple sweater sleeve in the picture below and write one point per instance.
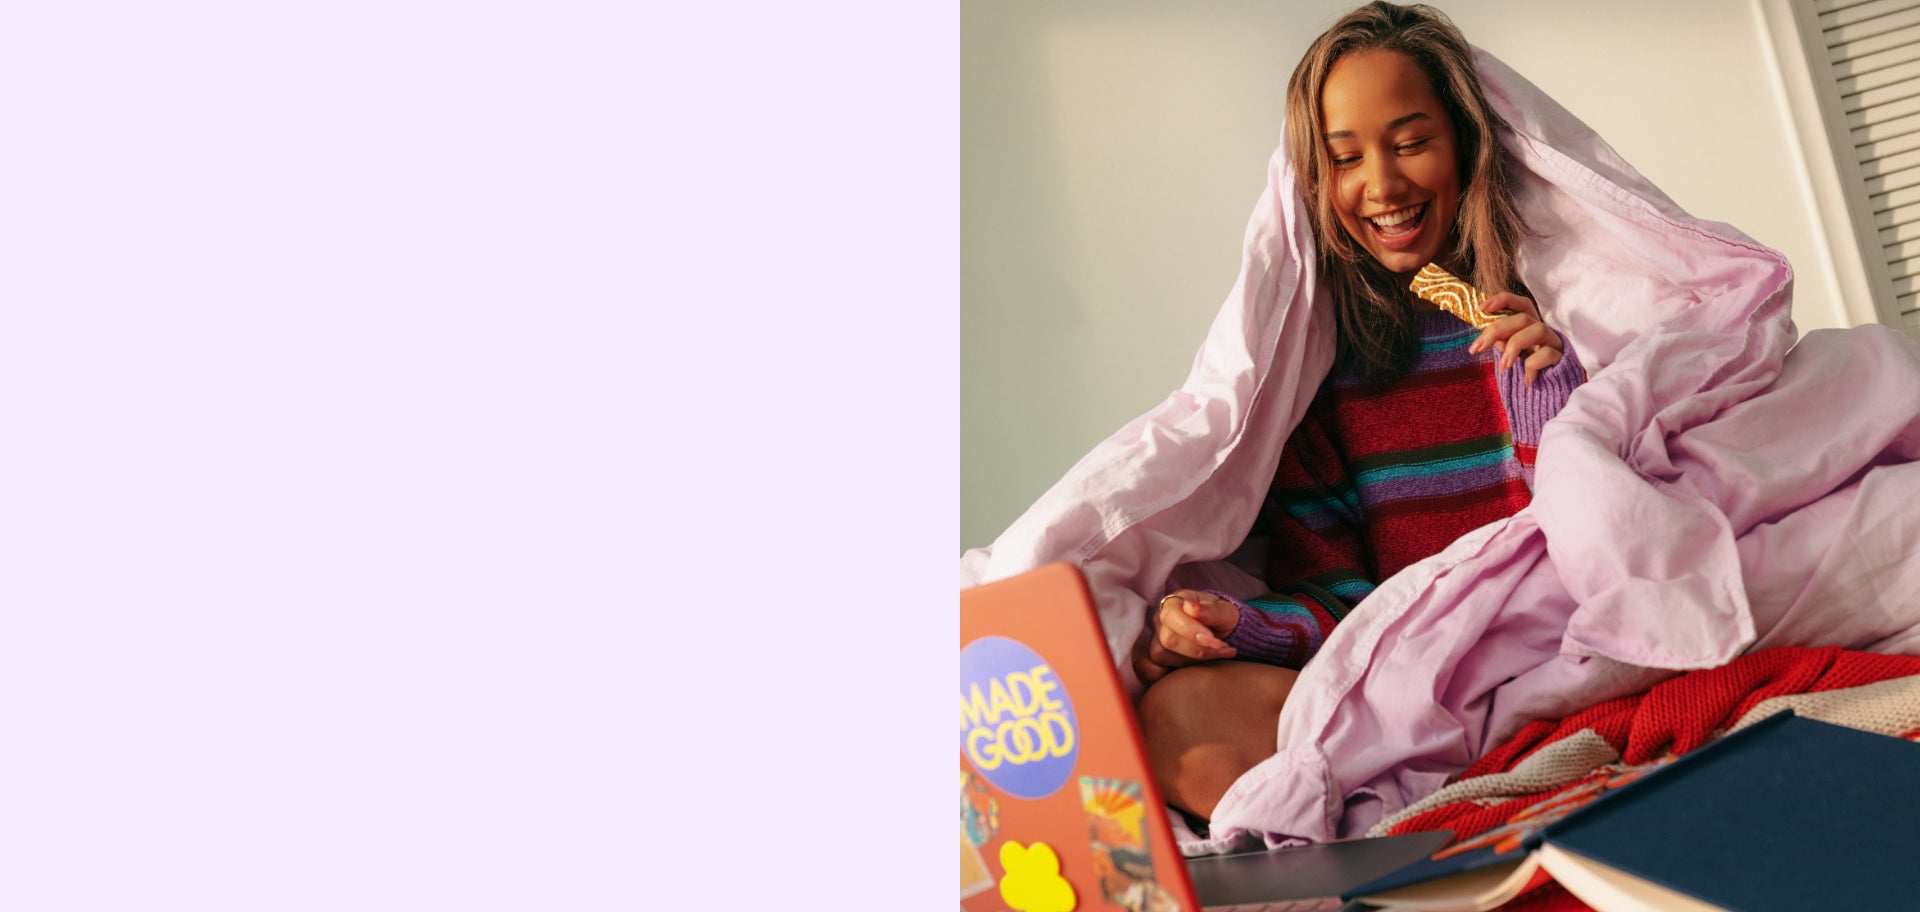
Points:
(1530, 407)
(1283, 629)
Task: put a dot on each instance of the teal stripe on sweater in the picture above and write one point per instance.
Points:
(1433, 467)
(1351, 590)
(1316, 506)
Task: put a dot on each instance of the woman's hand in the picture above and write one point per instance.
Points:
(1189, 627)
(1517, 334)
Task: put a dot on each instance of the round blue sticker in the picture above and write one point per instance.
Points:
(1016, 722)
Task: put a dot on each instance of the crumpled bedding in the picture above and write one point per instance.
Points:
(1714, 488)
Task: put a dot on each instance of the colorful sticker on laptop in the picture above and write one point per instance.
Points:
(1017, 726)
(1117, 831)
(1033, 882)
(974, 876)
(979, 813)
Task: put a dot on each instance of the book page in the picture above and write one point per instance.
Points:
(1467, 891)
(1608, 890)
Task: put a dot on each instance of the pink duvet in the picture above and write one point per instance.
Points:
(1714, 488)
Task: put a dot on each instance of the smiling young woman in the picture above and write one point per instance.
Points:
(1418, 436)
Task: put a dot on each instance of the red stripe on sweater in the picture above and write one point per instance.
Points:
(1461, 403)
(1405, 531)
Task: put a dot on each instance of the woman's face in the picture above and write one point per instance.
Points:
(1395, 178)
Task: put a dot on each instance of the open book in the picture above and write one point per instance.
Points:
(1786, 814)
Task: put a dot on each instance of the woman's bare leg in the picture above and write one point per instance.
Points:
(1206, 724)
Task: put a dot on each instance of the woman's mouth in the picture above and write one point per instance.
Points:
(1398, 223)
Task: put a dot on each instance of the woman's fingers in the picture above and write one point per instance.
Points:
(1541, 359)
(1216, 614)
(1186, 647)
(1143, 667)
(1182, 638)
(1519, 336)
(1507, 300)
(1516, 314)
(1510, 349)
(1166, 650)
(1526, 340)
(1539, 335)
(1175, 614)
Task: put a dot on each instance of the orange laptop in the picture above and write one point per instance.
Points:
(1057, 809)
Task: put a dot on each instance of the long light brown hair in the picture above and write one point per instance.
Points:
(1372, 307)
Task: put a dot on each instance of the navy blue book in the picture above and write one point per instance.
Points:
(1787, 814)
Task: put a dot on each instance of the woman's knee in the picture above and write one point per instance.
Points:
(1212, 695)
(1180, 702)
(1207, 724)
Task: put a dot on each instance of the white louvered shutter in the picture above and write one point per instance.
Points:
(1864, 56)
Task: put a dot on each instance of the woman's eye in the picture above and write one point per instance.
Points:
(1410, 147)
(1343, 162)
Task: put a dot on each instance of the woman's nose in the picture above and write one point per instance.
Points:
(1384, 178)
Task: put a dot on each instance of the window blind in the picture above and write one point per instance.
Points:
(1871, 81)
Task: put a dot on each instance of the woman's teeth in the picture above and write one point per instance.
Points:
(1392, 219)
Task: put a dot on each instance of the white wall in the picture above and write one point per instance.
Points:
(1111, 151)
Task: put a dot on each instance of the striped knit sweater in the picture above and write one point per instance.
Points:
(1379, 477)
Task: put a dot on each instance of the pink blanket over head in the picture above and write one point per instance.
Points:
(1713, 489)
